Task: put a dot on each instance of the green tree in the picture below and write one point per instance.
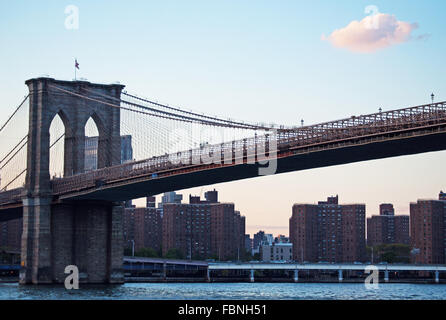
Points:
(246, 256)
(174, 253)
(146, 252)
(391, 253)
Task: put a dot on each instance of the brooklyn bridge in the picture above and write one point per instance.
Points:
(75, 217)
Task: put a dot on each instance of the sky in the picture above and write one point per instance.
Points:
(258, 60)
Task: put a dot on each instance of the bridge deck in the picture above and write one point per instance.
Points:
(387, 134)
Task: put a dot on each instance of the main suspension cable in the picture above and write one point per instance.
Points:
(220, 123)
(167, 115)
(253, 126)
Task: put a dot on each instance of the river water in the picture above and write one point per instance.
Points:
(227, 291)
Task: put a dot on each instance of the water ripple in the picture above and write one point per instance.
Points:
(226, 291)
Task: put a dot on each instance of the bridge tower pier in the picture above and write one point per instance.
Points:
(82, 233)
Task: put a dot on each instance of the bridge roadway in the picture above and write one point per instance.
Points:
(394, 133)
(323, 266)
(162, 265)
(282, 266)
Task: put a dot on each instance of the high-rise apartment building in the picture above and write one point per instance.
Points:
(328, 232)
(203, 229)
(257, 241)
(211, 196)
(151, 202)
(428, 231)
(186, 228)
(143, 226)
(387, 228)
(129, 227)
(303, 231)
(147, 228)
(11, 234)
(248, 243)
(402, 229)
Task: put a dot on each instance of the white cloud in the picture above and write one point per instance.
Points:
(372, 33)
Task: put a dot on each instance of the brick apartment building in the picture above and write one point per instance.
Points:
(203, 229)
(186, 228)
(11, 234)
(328, 232)
(428, 230)
(144, 226)
(387, 228)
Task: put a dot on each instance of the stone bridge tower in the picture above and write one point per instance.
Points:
(85, 234)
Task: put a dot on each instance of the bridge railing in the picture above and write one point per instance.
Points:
(11, 196)
(405, 115)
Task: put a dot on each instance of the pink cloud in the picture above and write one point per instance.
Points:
(372, 33)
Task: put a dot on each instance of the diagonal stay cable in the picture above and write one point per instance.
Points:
(63, 134)
(16, 177)
(13, 156)
(14, 113)
(12, 150)
(24, 170)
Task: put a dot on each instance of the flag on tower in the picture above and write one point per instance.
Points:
(76, 65)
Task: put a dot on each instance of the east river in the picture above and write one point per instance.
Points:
(227, 291)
